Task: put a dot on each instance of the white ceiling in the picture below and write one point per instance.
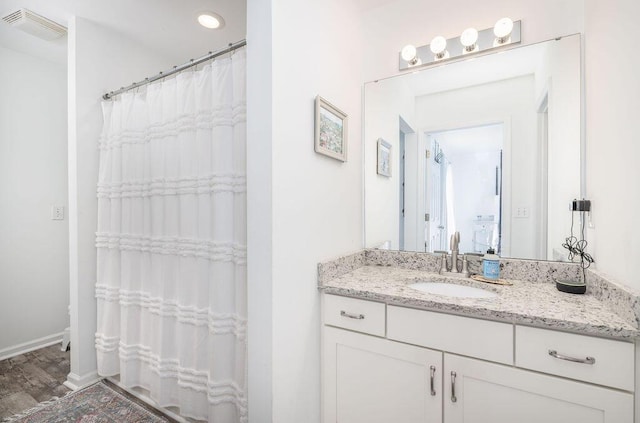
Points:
(366, 5)
(167, 27)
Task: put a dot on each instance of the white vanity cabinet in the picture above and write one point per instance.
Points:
(370, 379)
(374, 380)
(409, 365)
(481, 392)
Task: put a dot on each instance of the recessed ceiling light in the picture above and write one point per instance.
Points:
(210, 20)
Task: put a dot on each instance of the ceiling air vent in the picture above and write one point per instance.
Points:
(34, 24)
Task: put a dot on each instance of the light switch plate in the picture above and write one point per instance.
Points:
(57, 212)
(522, 212)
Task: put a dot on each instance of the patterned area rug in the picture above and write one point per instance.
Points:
(97, 403)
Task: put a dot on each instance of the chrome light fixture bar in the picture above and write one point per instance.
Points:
(464, 45)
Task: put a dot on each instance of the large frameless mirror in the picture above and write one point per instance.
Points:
(488, 146)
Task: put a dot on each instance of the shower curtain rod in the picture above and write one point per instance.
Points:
(176, 69)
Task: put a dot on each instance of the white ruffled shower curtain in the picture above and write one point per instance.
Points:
(171, 241)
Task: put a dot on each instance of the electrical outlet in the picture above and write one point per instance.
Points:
(522, 212)
(57, 212)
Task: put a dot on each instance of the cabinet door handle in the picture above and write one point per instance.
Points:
(453, 387)
(433, 377)
(351, 315)
(586, 360)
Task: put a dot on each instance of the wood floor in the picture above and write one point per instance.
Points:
(28, 379)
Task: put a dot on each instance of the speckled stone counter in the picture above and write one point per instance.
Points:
(607, 310)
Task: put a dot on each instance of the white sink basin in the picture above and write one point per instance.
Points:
(452, 290)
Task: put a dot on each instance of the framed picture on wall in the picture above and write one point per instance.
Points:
(384, 158)
(331, 130)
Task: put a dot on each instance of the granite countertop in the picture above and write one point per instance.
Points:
(537, 304)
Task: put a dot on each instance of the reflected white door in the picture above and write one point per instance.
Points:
(435, 220)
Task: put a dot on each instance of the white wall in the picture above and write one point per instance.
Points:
(100, 60)
(613, 148)
(34, 272)
(316, 201)
(260, 210)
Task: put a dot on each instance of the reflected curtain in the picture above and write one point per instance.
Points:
(171, 241)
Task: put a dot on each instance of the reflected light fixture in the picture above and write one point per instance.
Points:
(502, 30)
(438, 47)
(469, 40)
(210, 20)
(409, 54)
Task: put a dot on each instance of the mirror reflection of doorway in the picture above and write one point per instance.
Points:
(464, 180)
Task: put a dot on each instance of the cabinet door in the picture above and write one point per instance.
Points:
(485, 392)
(373, 380)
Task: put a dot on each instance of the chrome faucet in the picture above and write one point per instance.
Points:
(452, 270)
(453, 246)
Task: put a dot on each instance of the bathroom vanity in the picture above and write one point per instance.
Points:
(524, 353)
(529, 354)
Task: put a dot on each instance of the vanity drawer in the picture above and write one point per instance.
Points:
(602, 361)
(483, 339)
(351, 313)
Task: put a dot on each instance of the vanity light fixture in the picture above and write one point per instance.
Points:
(469, 40)
(210, 20)
(410, 55)
(502, 30)
(438, 47)
(504, 34)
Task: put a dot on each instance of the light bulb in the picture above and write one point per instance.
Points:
(502, 30)
(468, 39)
(408, 54)
(438, 47)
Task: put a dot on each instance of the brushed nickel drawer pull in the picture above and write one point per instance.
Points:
(351, 315)
(586, 360)
(453, 387)
(433, 376)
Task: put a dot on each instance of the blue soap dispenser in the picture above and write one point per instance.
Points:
(491, 265)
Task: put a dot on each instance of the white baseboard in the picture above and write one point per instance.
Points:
(75, 382)
(26, 347)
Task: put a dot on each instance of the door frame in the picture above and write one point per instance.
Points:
(424, 192)
(410, 142)
(542, 114)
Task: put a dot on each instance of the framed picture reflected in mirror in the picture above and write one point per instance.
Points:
(384, 158)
